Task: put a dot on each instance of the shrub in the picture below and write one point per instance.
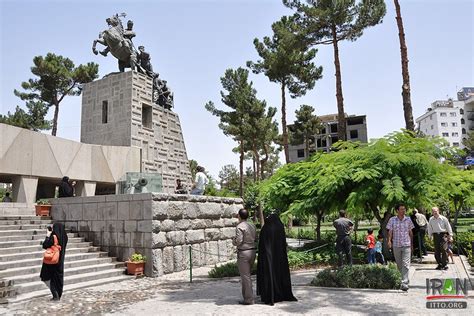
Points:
(360, 276)
(136, 257)
(229, 269)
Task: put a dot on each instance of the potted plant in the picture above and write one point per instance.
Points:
(43, 207)
(136, 264)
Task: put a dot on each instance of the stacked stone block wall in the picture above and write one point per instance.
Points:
(160, 226)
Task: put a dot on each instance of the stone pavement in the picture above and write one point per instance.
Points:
(173, 295)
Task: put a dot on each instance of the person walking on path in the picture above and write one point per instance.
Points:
(437, 227)
(370, 241)
(53, 274)
(343, 227)
(244, 239)
(400, 239)
(423, 223)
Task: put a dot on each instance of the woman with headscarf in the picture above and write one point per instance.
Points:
(273, 272)
(66, 189)
(53, 274)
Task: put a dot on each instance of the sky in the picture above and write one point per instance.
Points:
(193, 42)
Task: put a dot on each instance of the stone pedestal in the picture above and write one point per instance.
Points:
(118, 110)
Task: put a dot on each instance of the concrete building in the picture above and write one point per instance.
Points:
(356, 131)
(451, 119)
(122, 131)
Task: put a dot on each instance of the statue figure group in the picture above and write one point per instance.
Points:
(118, 41)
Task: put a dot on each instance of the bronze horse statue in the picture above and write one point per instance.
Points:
(118, 44)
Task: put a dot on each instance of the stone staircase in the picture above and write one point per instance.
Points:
(21, 256)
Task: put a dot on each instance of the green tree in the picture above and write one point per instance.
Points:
(229, 178)
(407, 108)
(305, 127)
(33, 120)
(193, 164)
(327, 22)
(368, 179)
(469, 143)
(239, 98)
(287, 61)
(57, 77)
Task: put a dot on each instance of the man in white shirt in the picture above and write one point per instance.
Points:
(200, 182)
(437, 227)
(423, 223)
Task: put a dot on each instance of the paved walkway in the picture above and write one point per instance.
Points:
(174, 295)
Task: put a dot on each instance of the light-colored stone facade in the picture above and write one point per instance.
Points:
(35, 163)
(118, 110)
(160, 226)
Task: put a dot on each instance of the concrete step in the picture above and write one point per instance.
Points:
(11, 272)
(24, 217)
(70, 287)
(39, 254)
(37, 260)
(23, 232)
(84, 277)
(33, 242)
(34, 277)
(38, 247)
(29, 237)
(23, 227)
(26, 222)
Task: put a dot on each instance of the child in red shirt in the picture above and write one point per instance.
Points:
(370, 241)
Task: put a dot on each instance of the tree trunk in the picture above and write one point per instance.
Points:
(341, 120)
(283, 123)
(263, 162)
(257, 162)
(319, 216)
(356, 227)
(383, 221)
(307, 146)
(241, 169)
(253, 166)
(55, 118)
(407, 108)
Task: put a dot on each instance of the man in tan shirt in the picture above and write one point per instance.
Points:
(244, 239)
(437, 227)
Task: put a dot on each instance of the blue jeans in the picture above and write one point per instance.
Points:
(196, 191)
(371, 255)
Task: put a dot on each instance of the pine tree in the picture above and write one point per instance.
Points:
(306, 126)
(57, 78)
(328, 22)
(287, 61)
(33, 120)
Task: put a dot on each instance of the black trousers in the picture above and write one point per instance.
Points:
(440, 253)
(343, 246)
(422, 239)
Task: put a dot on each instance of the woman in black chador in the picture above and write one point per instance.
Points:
(273, 272)
(53, 274)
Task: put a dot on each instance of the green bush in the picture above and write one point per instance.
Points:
(229, 269)
(360, 276)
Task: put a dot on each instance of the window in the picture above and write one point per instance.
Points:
(354, 134)
(147, 116)
(463, 121)
(452, 114)
(445, 134)
(334, 139)
(464, 131)
(461, 111)
(355, 121)
(431, 116)
(333, 128)
(454, 124)
(431, 126)
(455, 134)
(323, 130)
(456, 144)
(105, 109)
(444, 124)
(300, 153)
(443, 114)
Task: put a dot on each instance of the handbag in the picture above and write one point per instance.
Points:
(52, 254)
